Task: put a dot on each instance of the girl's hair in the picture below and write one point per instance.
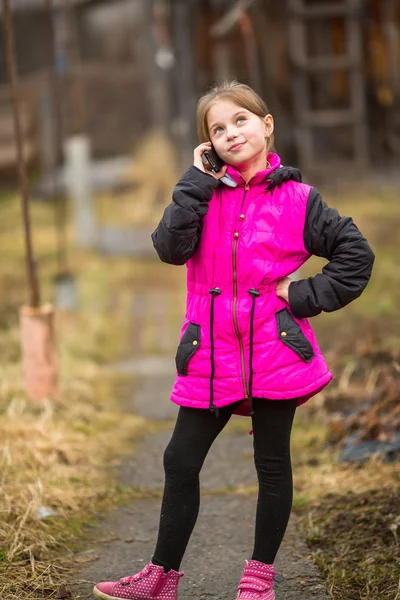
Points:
(239, 93)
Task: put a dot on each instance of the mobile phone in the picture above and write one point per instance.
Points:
(215, 164)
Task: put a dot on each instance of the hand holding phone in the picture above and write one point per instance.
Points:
(212, 160)
(212, 163)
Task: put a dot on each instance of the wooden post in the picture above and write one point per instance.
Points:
(78, 180)
(39, 351)
(39, 355)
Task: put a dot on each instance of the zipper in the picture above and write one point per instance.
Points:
(234, 308)
(159, 585)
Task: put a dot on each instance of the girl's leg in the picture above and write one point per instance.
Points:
(194, 433)
(272, 425)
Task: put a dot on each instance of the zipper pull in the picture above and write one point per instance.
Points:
(246, 187)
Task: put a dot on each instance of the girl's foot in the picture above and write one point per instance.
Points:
(152, 583)
(257, 581)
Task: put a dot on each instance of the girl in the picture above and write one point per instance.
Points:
(246, 346)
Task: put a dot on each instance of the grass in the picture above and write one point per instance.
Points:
(349, 514)
(363, 530)
(57, 456)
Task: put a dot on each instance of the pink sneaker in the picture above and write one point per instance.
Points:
(257, 581)
(150, 584)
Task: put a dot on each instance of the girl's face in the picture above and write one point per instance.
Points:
(238, 135)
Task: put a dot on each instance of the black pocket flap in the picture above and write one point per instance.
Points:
(188, 345)
(291, 335)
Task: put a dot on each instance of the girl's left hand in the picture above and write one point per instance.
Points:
(282, 289)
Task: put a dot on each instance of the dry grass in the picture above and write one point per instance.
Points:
(54, 458)
(318, 472)
(58, 456)
(316, 469)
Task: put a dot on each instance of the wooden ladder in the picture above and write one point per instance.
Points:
(303, 17)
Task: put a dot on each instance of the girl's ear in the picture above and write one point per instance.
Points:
(269, 125)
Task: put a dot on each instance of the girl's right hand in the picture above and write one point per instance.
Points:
(198, 162)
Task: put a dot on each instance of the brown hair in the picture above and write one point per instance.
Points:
(239, 93)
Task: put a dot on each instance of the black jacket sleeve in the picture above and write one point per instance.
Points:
(178, 232)
(347, 273)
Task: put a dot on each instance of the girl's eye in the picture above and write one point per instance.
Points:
(218, 129)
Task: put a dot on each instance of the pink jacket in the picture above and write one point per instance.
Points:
(239, 339)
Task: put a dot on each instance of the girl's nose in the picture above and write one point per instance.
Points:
(230, 133)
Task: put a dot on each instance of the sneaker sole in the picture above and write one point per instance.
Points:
(102, 595)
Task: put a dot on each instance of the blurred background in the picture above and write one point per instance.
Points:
(329, 72)
(107, 93)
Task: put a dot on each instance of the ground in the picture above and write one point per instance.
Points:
(223, 535)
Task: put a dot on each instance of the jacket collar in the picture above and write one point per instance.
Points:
(274, 163)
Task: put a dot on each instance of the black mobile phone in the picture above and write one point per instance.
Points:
(215, 163)
(213, 160)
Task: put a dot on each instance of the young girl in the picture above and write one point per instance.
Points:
(246, 346)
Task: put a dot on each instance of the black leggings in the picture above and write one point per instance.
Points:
(194, 433)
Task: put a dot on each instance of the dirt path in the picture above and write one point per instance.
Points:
(223, 535)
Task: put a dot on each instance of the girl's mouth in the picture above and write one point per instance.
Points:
(236, 147)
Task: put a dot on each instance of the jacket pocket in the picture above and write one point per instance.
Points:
(291, 335)
(188, 345)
